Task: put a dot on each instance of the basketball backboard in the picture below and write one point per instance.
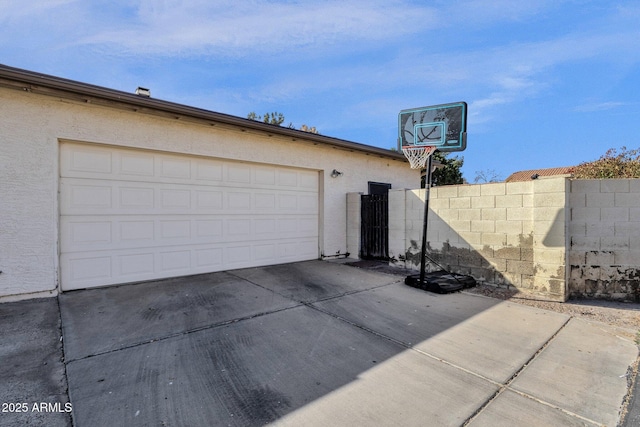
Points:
(443, 126)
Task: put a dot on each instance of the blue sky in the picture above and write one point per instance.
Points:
(548, 83)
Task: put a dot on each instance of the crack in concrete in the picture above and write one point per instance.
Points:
(64, 361)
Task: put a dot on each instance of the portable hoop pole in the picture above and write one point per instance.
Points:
(423, 252)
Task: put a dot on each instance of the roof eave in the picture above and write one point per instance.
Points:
(56, 86)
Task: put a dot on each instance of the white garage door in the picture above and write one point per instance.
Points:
(129, 215)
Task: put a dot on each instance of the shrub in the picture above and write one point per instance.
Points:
(613, 164)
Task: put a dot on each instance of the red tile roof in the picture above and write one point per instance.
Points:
(530, 174)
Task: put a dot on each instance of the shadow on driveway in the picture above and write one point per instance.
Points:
(319, 343)
(247, 347)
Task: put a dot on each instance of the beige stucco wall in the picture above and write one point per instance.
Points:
(31, 127)
(354, 206)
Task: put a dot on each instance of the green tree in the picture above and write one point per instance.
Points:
(447, 174)
(613, 164)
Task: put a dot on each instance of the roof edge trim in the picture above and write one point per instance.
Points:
(30, 79)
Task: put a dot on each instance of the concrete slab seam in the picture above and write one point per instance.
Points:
(537, 353)
(515, 375)
(403, 344)
(263, 287)
(63, 360)
(453, 365)
(501, 386)
(363, 328)
(187, 332)
(344, 294)
(406, 345)
(550, 405)
(507, 385)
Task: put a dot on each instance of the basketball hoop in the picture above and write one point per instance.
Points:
(418, 154)
(420, 132)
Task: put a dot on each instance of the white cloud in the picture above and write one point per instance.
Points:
(12, 11)
(487, 12)
(488, 79)
(598, 106)
(233, 28)
(381, 51)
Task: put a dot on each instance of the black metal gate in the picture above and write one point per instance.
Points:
(374, 226)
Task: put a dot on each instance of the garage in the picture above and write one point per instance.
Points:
(129, 215)
(113, 187)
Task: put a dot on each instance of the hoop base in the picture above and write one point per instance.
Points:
(441, 282)
(418, 154)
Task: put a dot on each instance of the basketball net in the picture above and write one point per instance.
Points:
(418, 154)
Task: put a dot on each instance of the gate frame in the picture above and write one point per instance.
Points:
(374, 224)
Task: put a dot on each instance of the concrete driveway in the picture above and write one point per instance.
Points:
(311, 343)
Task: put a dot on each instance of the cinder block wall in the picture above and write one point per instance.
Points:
(553, 237)
(506, 234)
(604, 249)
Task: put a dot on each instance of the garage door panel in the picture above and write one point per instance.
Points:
(174, 229)
(287, 178)
(97, 197)
(208, 259)
(172, 199)
(136, 232)
(265, 175)
(307, 203)
(175, 261)
(89, 233)
(209, 200)
(297, 250)
(80, 196)
(87, 161)
(99, 268)
(239, 173)
(80, 271)
(265, 202)
(307, 226)
(308, 180)
(122, 164)
(174, 168)
(132, 215)
(133, 198)
(130, 164)
(208, 229)
(135, 265)
(97, 233)
(211, 172)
